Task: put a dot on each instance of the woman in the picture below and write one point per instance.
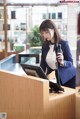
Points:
(51, 57)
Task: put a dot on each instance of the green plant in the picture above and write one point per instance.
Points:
(11, 41)
(35, 37)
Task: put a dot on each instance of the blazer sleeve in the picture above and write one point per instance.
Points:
(68, 71)
(43, 63)
(68, 60)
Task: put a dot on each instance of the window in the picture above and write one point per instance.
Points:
(59, 15)
(44, 16)
(49, 15)
(13, 14)
(53, 15)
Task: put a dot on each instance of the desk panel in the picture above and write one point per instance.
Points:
(27, 97)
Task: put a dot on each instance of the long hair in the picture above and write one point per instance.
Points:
(48, 24)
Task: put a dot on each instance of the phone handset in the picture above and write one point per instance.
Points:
(59, 48)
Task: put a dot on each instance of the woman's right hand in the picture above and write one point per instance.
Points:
(60, 58)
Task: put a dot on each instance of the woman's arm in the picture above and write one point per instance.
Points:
(66, 56)
(43, 63)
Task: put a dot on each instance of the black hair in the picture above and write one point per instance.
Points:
(48, 24)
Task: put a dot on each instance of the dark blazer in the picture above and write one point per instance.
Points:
(66, 72)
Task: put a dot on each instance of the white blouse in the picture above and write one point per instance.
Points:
(51, 58)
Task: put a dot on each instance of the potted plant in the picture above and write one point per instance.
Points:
(35, 37)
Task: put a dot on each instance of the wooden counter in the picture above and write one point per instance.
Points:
(77, 103)
(27, 97)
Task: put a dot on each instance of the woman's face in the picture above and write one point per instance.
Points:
(48, 34)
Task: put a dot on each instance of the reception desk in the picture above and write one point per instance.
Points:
(78, 102)
(27, 97)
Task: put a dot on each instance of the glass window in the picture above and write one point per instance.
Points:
(49, 15)
(53, 15)
(59, 15)
(44, 16)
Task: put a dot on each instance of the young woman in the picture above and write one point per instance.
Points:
(51, 57)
